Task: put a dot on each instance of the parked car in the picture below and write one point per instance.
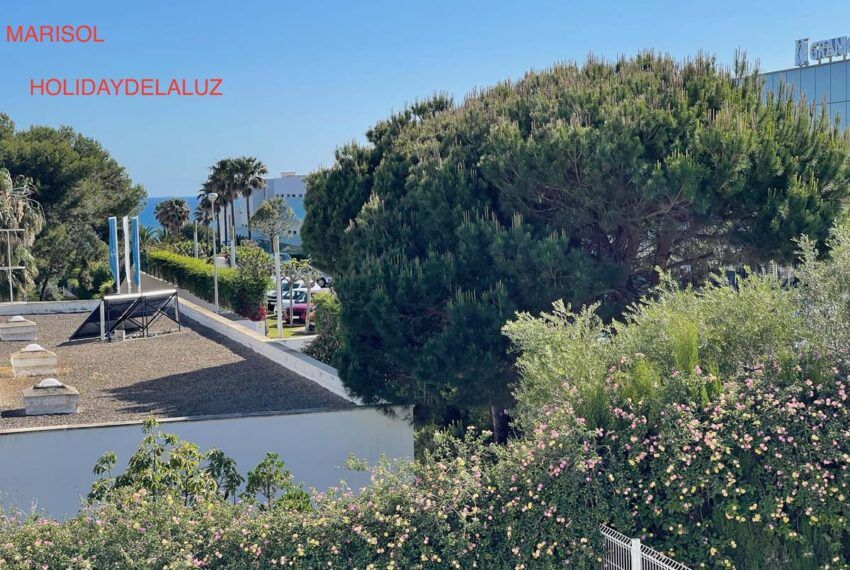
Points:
(299, 295)
(271, 295)
(299, 311)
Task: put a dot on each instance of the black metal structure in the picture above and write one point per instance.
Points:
(133, 313)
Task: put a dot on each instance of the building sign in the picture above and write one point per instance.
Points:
(819, 50)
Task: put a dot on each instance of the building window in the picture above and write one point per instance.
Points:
(822, 84)
(838, 85)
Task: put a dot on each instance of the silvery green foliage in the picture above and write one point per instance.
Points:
(823, 291)
(674, 333)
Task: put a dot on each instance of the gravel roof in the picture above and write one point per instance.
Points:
(195, 372)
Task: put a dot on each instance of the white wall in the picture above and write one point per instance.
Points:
(52, 468)
(290, 186)
(47, 307)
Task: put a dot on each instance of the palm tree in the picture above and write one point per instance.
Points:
(172, 214)
(222, 181)
(249, 175)
(147, 237)
(18, 210)
(207, 188)
(203, 213)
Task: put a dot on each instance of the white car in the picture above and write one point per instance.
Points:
(299, 295)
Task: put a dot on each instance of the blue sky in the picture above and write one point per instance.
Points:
(301, 78)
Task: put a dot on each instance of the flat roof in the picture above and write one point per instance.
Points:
(195, 372)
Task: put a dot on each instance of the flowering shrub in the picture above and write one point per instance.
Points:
(713, 424)
(758, 478)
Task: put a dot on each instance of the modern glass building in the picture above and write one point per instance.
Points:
(821, 84)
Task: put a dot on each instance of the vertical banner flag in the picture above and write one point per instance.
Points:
(113, 252)
(137, 254)
(125, 227)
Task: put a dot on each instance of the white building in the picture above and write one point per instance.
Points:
(820, 75)
(291, 187)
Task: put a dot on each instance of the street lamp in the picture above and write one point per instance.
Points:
(212, 197)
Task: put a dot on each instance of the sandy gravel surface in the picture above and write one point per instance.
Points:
(189, 373)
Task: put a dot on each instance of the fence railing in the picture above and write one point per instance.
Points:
(623, 553)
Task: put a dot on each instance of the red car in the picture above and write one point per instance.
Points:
(299, 311)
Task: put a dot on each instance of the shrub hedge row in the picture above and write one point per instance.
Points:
(195, 275)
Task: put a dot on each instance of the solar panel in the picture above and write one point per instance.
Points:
(90, 327)
(131, 312)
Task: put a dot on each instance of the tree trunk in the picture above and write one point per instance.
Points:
(291, 299)
(500, 424)
(43, 291)
(279, 305)
(248, 213)
(307, 313)
(224, 208)
(233, 220)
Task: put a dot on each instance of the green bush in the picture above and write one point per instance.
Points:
(564, 357)
(326, 344)
(252, 282)
(242, 289)
(194, 275)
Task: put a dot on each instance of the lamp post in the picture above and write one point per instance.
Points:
(212, 197)
(279, 302)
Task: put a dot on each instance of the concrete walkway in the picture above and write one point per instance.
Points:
(151, 283)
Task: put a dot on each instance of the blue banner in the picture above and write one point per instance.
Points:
(136, 256)
(113, 251)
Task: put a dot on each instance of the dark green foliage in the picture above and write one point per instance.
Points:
(91, 281)
(172, 214)
(223, 470)
(252, 282)
(66, 250)
(78, 184)
(195, 275)
(326, 344)
(573, 183)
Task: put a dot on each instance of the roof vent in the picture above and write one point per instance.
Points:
(48, 383)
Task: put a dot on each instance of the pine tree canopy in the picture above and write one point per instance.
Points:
(573, 183)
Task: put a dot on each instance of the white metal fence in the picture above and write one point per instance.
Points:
(623, 553)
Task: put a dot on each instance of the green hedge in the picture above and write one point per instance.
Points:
(195, 275)
(325, 346)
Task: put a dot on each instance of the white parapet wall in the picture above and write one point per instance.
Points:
(47, 307)
(303, 365)
(50, 469)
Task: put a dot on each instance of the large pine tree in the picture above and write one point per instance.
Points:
(574, 183)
